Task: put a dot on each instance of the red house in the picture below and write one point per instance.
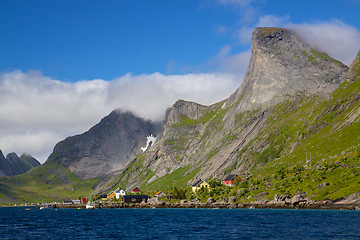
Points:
(232, 179)
(83, 200)
(135, 190)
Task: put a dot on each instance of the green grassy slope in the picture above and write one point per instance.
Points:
(302, 127)
(326, 130)
(46, 183)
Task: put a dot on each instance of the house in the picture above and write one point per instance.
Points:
(200, 184)
(119, 193)
(111, 195)
(76, 201)
(160, 194)
(134, 198)
(68, 202)
(83, 200)
(136, 190)
(232, 179)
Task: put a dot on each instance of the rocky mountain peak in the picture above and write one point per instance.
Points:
(281, 66)
(107, 147)
(14, 165)
(181, 109)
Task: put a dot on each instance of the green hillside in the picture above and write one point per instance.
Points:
(307, 143)
(304, 142)
(46, 183)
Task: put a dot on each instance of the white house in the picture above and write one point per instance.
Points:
(119, 193)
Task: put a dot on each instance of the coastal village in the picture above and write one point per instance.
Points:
(136, 197)
(194, 198)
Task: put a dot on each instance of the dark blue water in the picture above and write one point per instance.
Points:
(18, 223)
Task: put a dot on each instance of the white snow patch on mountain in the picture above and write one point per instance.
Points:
(150, 140)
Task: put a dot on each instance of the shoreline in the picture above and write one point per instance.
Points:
(252, 205)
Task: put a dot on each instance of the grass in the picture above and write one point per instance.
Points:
(46, 183)
(303, 125)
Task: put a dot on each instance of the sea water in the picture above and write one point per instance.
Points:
(22, 223)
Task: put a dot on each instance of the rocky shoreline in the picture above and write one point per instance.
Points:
(299, 201)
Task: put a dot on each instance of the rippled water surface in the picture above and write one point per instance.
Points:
(18, 223)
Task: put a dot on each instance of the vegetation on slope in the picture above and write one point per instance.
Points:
(324, 131)
(47, 183)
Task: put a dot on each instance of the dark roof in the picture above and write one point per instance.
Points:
(136, 189)
(230, 177)
(197, 183)
(136, 196)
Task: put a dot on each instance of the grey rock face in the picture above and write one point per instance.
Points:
(322, 185)
(260, 195)
(281, 65)
(232, 199)
(210, 200)
(184, 108)
(354, 70)
(15, 165)
(155, 202)
(106, 147)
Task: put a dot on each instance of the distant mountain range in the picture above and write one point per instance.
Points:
(15, 165)
(295, 116)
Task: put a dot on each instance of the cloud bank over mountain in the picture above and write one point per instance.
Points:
(37, 111)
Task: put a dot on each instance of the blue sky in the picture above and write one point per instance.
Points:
(71, 40)
(65, 64)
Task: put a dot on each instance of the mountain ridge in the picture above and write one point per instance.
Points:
(106, 147)
(291, 99)
(15, 165)
(222, 129)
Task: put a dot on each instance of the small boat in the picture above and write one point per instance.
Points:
(89, 206)
(42, 207)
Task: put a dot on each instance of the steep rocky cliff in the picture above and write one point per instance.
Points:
(105, 148)
(208, 141)
(15, 165)
(294, 102)
(281, 65)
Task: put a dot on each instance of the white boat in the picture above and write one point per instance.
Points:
(89, 206)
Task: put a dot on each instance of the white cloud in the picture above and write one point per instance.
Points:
(339, 40)
(244, 8)
(235, 63)
(37, 112)
(272, 21)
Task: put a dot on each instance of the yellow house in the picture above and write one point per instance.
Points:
(111, 195)
(200, 184)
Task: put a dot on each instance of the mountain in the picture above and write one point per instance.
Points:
(282, 65)
(291, 126)
(282, 103)
(107, 147)
(15, 165)
(81, 164)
